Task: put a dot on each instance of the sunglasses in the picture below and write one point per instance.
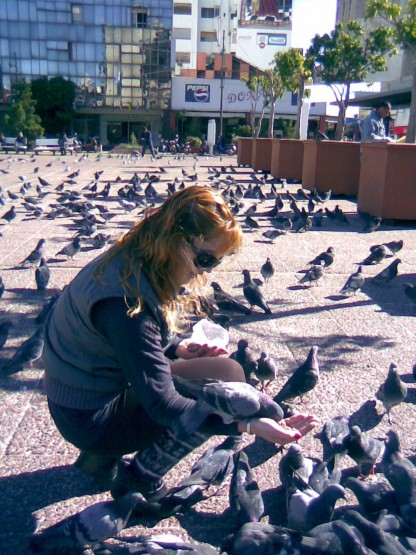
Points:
(206, 261)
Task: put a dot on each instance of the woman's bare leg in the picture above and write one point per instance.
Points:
(217, 368)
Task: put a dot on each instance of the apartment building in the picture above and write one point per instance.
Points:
(117, 52)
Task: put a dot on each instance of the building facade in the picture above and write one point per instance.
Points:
(116, 52)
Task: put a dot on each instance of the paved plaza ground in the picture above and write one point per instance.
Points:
(358, 336)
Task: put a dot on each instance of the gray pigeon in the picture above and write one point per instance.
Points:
(303, 379)
(72, 248)
(332, 436)
(380, 542)
(306, 509)
(231, 400)
(35, 256)
(394, 246)
(372, 225)
(363, 449)
(393, 391)
(266, 370)
(94, 524)
(372, 497)
(353, 283)
(244, 357)
(410, 291)
(377, 254)
(253, 294)
(246, 501)
(42, 275)
(294, 465)
(226, 302)
(2, 287)
(10, 215)
(327, 257)
(261, 538)
(313, 274)
(29, 351)
(403, 480)
(388, 274)
(392, 453)
(267, 270)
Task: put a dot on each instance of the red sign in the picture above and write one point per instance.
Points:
(261, 44)
(400, 130)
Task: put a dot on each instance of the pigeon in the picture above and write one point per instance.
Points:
(246, 501)
(262, 538)
(213, 467)
(294, 465)
(394, 246)
(4, 332)
(306, 509)
(266, 370)
(372, 497)
(393, 391)
(272, 234)
(10, 215)
(303, 379)
(226, 302)
(267, 270)
(88, 527)
(253, 294)
(72, 248)
(251, 223)
(377, 254)
(353, 283)
(392, 453)
(378, 541)
(363, 449)
(332, 435)
(231, 400)
(2, 287)
(169, 544)
(313, 274)
(326, 257)
(388, 274)
(245, 358)
(403, 480)
(42, 275)
(29, 351)
(372, 225)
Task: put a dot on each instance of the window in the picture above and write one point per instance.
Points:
(139, 18)
(77, 13)
(182, 9)
(183, 58)
(181, 33)
(208, 36)
(210, 13)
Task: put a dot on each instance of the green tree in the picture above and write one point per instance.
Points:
(21, 114)
(54, 103)
(347, 55)
(253, 84)
(402, 21)
(294, 74)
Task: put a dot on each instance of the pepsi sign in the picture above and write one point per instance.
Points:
(197, 93)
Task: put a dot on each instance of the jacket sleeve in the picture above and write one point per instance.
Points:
(137, 344)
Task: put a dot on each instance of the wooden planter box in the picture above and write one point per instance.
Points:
(388, 180)
(287, 159)
(331, 165)
(262, 154)
(244, 151)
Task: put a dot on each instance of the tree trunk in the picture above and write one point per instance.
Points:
(260, 122)
(299, 103)
(271, 120)
(339, 131)
(411, 126)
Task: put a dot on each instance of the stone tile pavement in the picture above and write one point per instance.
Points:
(358, 337)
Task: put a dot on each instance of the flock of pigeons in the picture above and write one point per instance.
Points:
(384, 518)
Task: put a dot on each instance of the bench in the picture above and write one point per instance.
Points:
(52, 145)
(9, 143)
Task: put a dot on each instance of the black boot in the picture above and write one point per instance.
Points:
(146, 471)
(102, 469)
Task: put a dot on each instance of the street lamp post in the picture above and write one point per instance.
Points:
(222, 85)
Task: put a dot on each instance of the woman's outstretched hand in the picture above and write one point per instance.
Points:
(285, 431)
(188, 351)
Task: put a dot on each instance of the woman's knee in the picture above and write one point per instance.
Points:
(233, 371)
